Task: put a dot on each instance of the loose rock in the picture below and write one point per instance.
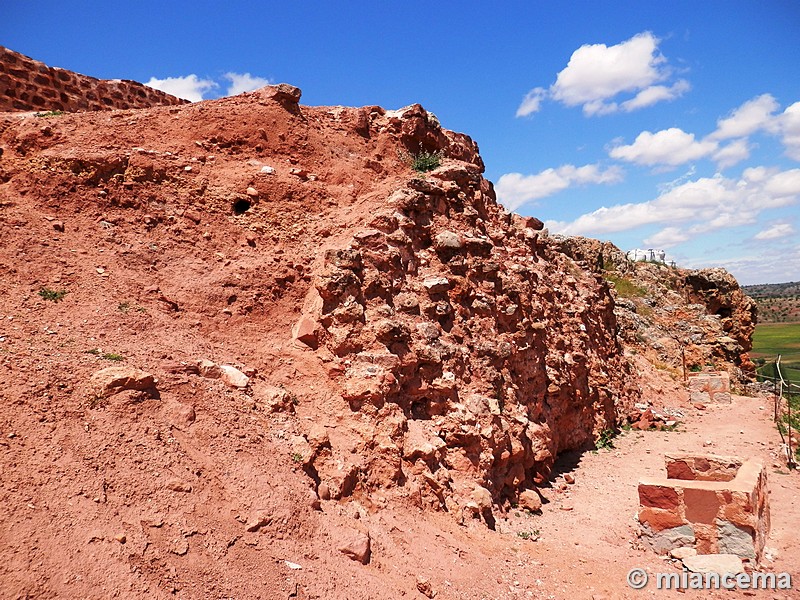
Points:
(530, 500)
(357, 548)
(714, 563)
(112, 380)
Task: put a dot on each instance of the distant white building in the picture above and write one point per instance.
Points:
(651, 255)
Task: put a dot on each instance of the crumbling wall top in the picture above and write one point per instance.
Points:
(27, 84)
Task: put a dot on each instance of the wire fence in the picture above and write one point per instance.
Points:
(786, 409)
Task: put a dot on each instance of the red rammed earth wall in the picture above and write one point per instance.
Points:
(27, 84)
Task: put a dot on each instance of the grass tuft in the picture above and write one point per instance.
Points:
(112, 356)
(422, 161)
(606, 439)
(52, 295)
(625, 287)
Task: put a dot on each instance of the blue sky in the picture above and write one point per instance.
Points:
(671, 125)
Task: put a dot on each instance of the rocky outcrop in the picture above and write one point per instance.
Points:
(673, 315)
(719, 291)
(27, 84)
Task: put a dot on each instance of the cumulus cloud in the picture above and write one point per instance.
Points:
(751, 116)
(667, 237)
(190, 88)
(779, 230)
(760, 114)
(781, 185)
(787, 125)
(696, 207)
(532, 101)
(732, 154)
(194, 89)
(515, 189)
(656, 93)
(671, 147)
(768, 264)
(243, 82)
(597, 73)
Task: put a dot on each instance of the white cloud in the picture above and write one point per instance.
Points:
(667, 147)
(599, 108)
(189, 88)
(775, 232)
(788, 126)
(243, 82)
(732, 154)
(656, 93)
(751, 116)
(667, 237)
(783, 185)
(672, 147)
(597, 73)
(696, 207)
(515, 189)
(759, 114)
(531, 102)
(769, 264)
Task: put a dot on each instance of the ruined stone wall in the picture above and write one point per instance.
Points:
(27, 84)
(475, 350)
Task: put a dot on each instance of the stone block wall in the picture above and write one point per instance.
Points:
(714, 504)
(710, 386)
(27, 84)
(707, 467)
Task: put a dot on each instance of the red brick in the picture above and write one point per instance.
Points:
(32, 81)
(702, 505)
(678, 469)
(658, 496)
(659, 519)
(706, 538)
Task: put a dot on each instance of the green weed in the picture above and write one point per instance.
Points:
(52, 295)
(422, 161)
(606, 439)
(624, 286)
(112, 356)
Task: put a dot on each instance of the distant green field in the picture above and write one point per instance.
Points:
(772, 339)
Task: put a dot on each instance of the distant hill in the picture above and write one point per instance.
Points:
(777, 302)
(772, 290)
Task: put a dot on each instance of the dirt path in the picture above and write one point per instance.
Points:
(588, 543)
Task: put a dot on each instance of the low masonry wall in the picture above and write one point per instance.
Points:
(715, 504)
(27, 84)
(710, 386)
